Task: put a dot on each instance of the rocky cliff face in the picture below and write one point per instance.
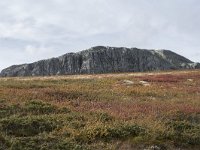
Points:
(103, 60)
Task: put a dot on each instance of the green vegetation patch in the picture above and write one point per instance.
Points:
(27, 126)
(109, 132)
(39, 107)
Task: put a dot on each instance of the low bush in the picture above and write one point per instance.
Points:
(39, 107)
(184, 133)
(44, 143)
(9, 110)
(27, 126)
(108, 132)
(101, 116)
(4, 143)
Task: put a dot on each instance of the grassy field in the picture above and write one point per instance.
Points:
(158, 110)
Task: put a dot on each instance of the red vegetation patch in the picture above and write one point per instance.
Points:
(137, 110)
(193, 90)
(170, 78)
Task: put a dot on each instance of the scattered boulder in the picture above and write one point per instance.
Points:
(144, 83)
(190, 80)
(128, 82)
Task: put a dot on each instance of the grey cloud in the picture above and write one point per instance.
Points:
(35, 29)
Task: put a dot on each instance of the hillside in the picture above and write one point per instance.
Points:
(102, 59)
(155, 110)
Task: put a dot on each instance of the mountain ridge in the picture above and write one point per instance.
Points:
(101, 59)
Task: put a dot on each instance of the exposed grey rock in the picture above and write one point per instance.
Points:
(144, 83)
(128, 82)
(102, 59)
(190, 80)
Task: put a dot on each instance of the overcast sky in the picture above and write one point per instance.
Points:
(31, 30)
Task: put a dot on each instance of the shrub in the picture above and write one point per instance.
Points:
(101, 116)
(8, 110)
(44, 143)
(27, 126)
(64, 110)
(184, 133)
(103, 132)
(4, 143)
(39, 107)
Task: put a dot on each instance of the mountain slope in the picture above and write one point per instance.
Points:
(102, 59)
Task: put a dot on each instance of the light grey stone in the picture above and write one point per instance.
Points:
(128, 82)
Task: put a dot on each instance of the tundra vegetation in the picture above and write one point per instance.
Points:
(157, 110)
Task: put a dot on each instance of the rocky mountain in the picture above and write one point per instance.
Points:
(102, 59)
